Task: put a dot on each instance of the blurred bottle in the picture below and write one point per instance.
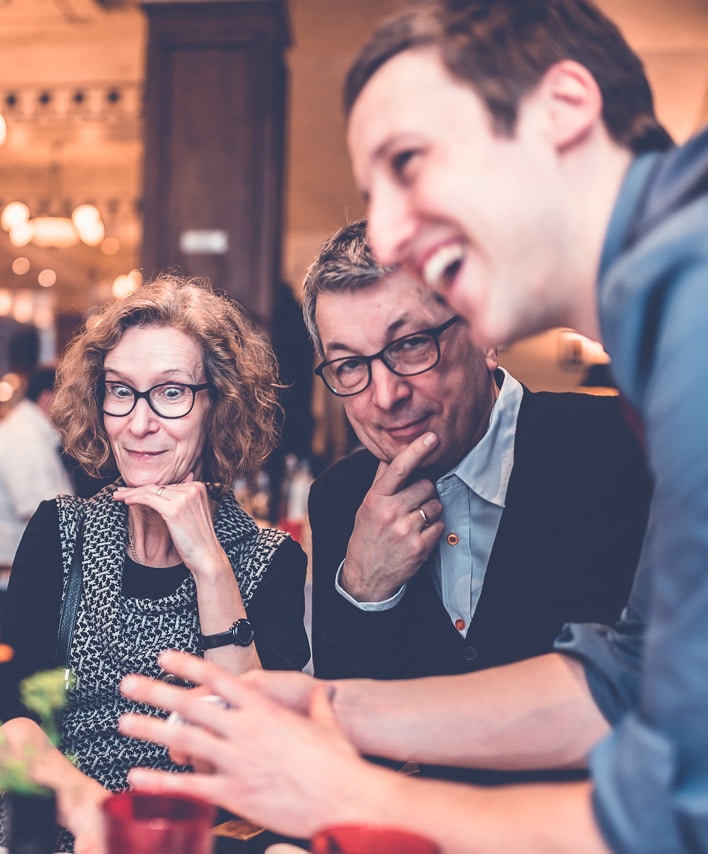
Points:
(293, 498)
(261, 497)
(242, 494)
(290, 465)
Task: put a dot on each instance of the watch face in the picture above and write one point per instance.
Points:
(243, 632)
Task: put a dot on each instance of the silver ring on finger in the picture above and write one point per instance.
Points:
(424, 517)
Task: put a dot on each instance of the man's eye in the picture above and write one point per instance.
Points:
(411, 344)
(400, 162)
(349, 366)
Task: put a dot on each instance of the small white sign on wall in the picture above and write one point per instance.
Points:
(204, 241)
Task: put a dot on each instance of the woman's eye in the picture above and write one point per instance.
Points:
(118, 391)
(173, 392)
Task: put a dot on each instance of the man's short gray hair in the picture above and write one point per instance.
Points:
(345, 263)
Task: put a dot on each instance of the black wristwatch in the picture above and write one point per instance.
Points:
(240, 634)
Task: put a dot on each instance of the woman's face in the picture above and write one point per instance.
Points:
(149, 449)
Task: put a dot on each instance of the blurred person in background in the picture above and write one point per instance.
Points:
(294, 354)
(31, 465)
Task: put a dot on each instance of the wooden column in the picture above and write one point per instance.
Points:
(214, 134)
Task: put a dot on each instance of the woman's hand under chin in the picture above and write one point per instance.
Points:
(186, 514)
(186, 511)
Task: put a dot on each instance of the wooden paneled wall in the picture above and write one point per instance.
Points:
(214, 135)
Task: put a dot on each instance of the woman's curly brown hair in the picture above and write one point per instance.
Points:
(238, 361)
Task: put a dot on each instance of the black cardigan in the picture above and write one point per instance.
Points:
(566, 550)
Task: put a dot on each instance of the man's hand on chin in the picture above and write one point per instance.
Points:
(396, 527)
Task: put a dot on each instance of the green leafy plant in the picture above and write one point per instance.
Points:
(45, 693)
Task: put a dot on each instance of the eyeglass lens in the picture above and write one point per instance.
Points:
(407, 356)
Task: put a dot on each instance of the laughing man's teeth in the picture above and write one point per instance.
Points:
(438, 263)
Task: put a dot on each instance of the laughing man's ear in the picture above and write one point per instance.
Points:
(574, 102)
(491, 359)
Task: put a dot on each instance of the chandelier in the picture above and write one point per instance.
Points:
(84, 225)
(53, 229)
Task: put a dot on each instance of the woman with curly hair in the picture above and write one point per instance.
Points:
(174, 391)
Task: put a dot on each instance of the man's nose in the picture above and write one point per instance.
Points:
(390, 224)
(387, 388)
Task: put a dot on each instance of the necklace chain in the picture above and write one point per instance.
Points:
(131, 545)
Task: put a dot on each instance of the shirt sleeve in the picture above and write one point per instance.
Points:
(277, 611)
(384, 605)
(31, 612)
(612, 655)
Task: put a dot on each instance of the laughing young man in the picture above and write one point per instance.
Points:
(511, 160)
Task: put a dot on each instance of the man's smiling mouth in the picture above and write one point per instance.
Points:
(407, 429)
(440, 266)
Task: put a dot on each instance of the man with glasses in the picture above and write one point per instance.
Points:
(527, 512)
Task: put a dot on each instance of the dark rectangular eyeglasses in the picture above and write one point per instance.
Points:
(406, 357)
(168, 400)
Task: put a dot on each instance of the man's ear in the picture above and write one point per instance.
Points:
(574, 102)
(491, 359)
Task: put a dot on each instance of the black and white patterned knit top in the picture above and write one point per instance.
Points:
(119, 631)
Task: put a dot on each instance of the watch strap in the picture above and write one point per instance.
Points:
(239, 634)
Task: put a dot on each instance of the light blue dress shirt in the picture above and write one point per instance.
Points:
(473, 495)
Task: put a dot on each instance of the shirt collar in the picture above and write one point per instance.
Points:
(629, 198)
(487, 467)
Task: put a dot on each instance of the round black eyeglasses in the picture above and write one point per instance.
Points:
(168, 400)
(406, 357)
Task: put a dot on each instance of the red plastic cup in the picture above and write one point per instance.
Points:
(145, 823)
(365, 839)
